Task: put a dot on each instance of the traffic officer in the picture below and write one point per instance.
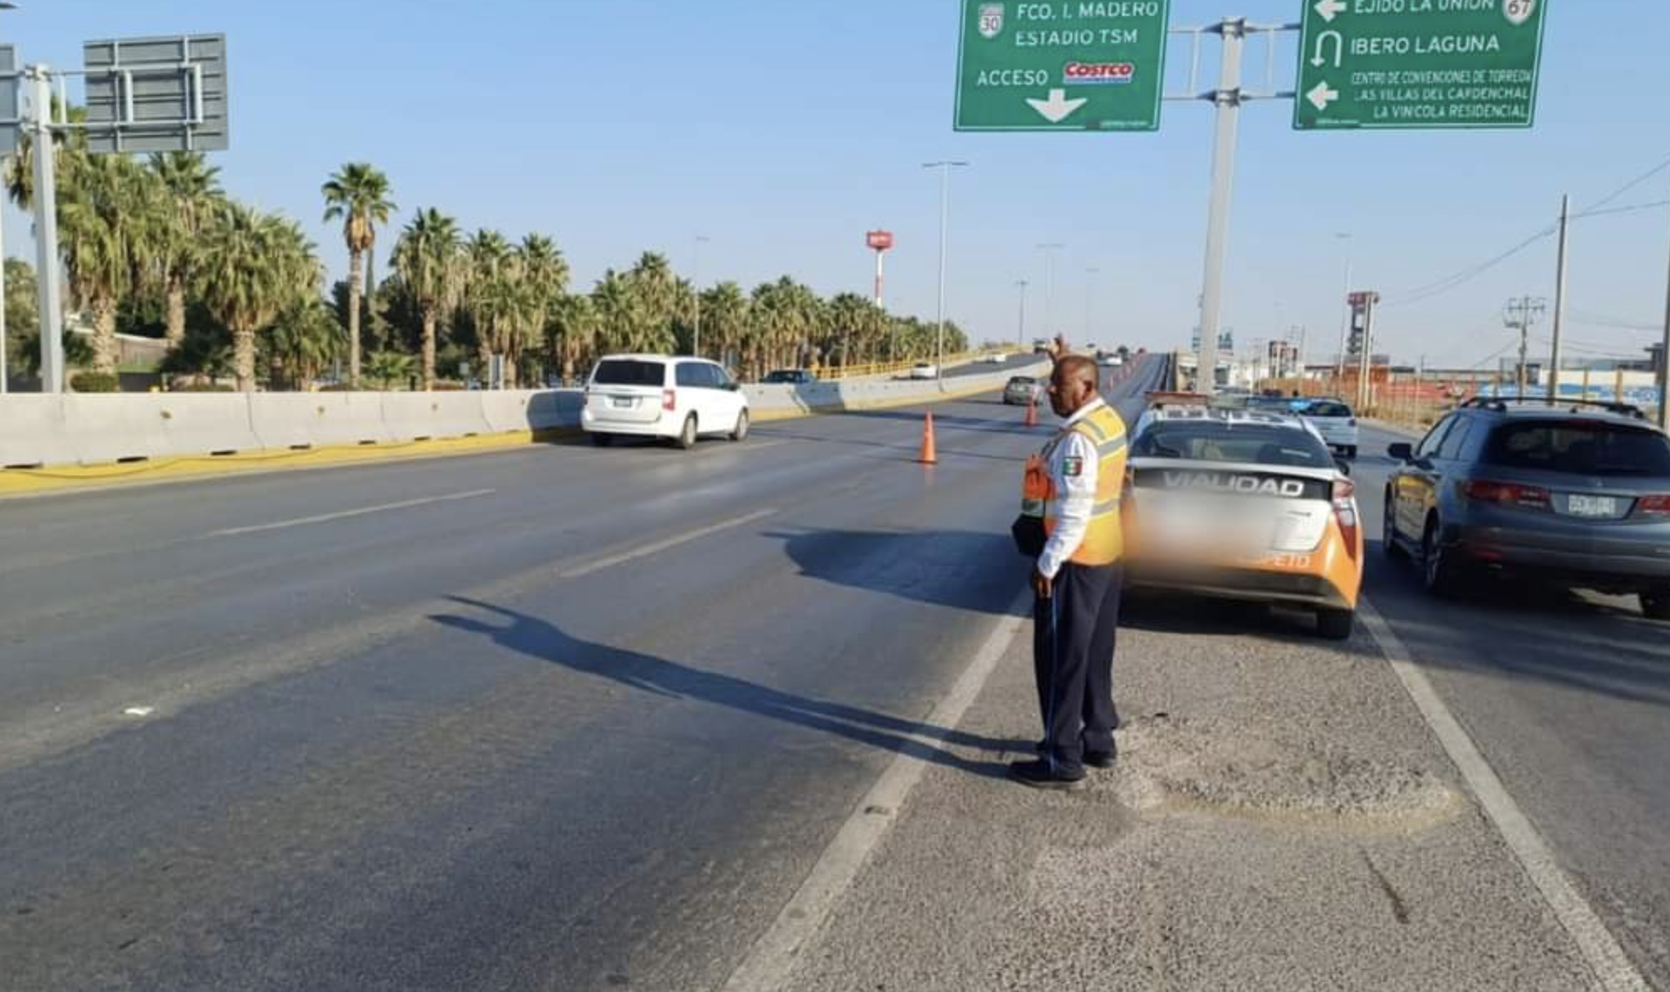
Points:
(1074, 486)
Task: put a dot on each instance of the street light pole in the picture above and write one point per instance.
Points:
(1020, 335)
(1049, 249)
(944, 168)
(1090, 275)
(696, 280)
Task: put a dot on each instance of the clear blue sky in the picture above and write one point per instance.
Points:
(783, 129)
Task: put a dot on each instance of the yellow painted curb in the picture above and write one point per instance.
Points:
(29, 481)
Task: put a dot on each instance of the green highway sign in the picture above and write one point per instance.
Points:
(1419, 64)
(1061, 65)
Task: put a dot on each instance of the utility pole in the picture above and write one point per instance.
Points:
(696, 278)
(1559, 303)
(1365, 367)
(1345, 315)
(1049, 251)
(1664, 369)
(1519, 314)
(944, 168)
(1020, 335)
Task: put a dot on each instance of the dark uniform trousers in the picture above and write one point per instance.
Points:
(1073, 640)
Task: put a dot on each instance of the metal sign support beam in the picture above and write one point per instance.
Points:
(1227, 98)
(46, 230)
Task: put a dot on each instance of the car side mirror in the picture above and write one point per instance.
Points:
(1402, 452)
(1343, 466)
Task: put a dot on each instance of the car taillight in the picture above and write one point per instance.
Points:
(1507, 494)
(1653, 506)
(669, 400)
(1345, 511)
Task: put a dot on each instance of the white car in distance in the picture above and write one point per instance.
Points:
(1334, 421)
(924, 370)
(657, 396)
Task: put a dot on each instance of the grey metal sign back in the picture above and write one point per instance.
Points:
(11, 101)
(157, 94)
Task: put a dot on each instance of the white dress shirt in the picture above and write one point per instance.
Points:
(1075, 490)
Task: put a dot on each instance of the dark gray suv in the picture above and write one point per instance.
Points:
(1576, 493)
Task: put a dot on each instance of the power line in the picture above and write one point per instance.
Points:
(1636, 208)
(1464, 276)
(1467, 275)
(1626, 187)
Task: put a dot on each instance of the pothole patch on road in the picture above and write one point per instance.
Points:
(1170, 764)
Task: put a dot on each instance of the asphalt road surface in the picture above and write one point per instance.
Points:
(559, 718)
(1568, 696)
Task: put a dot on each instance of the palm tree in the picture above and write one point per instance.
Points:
(191, 195)
(657, 287)
(304, 341)
(255, 268)
(428, 257)
(725, 324)
(574, 321)
(388, 367)
(852, 321)
(101, 218)
(542, 274)
(484, 298)
(624, 322)
(358, 195)
(19, 175)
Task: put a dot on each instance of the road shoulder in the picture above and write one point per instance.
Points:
(1282, 818)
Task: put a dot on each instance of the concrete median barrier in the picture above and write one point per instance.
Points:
(181, 433)
(555, 409)
(428, 416)
(32, 431)
(286, 421)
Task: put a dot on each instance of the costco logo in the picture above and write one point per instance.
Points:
(1099, 73)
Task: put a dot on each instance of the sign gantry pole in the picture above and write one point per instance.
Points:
(46, 230)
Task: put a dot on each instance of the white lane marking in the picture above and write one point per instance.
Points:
(644, 551)
(1612, 968)
(140, 711)
(346, 514)
(769, 962)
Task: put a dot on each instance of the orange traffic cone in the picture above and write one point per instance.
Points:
(929, 455)
(1032, 414)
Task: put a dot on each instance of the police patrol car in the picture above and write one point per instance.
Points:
(1243, 504)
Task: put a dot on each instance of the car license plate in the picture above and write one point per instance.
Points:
(624, 402)
(1592, 506)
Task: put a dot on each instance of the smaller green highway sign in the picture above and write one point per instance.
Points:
(1411, 64)
(1061, 65)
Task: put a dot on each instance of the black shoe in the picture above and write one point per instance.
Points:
(1041, 775)
(1101, 759)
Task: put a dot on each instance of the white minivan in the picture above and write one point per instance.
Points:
(677, 399)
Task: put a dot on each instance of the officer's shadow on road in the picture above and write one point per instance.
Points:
(542, 640)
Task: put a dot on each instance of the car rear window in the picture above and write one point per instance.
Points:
(1326, 410)
(630, 372)
(1020, 380)
(1243, 443)
(1579, 447)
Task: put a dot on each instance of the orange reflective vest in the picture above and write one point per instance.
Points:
(1104, 541)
